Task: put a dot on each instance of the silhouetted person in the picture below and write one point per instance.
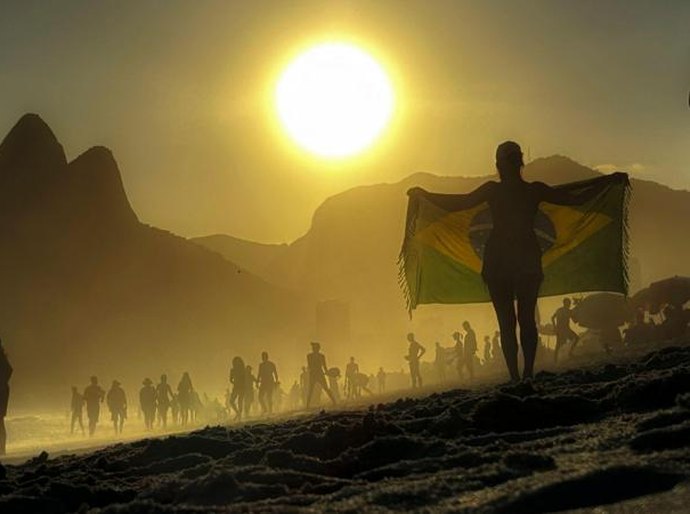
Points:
(5, 374)
(295, 395)
(561, 323)
(333, 376)
(268, 381)
(76, 409)
(440, 362)
(304, 385)
(458, 354)
(487, 349)
(496, 345)
(250, 381)
(117, 404)
(175, 408)
(147, 402)
(316, 365)
(239, 385)
(381, 378)
(93, 396)
(414, 353)
(351, 370)
(164, 398)
(511, 265)
(470, 346)
(184, 397)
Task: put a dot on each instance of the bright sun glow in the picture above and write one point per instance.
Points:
(334, 100)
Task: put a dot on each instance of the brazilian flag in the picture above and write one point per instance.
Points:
(584, 247)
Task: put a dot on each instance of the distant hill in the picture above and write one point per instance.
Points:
(350, 251)
(257, 258)
(89, 289)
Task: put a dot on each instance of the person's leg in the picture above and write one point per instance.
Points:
(3, 436)
(575, 339)
(325, 387)
(269, 398)
(310, 390)
(71, 425)
(502, 297)
(527, 291)
(559, 344)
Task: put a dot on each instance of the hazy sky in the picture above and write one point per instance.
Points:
(180, 92)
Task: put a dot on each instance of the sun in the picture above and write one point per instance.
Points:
(334, 100)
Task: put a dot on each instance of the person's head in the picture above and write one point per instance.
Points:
(116, 383)
(352, 359)
(438, 345)
(264, 356)
(509, 160)
(164, 378)
(315, 347)
(466, 325)
(410, 337)
(566, 302)
(237, 363)
(456, 336)
(147, 382)
(94, 380)
(74, 389)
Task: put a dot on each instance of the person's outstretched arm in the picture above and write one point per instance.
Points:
(452, 202)
(562, 197)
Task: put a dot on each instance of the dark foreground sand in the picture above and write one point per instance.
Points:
(615, 436)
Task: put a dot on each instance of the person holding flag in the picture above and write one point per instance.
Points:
(582, 243)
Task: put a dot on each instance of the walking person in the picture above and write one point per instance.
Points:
(76, 410)
(316, 365)
(239, 385)
(184, 397)
(381, 378)
(470, 345)
(147, 403)
(93, 396)
(351, 370)
(564, 334)
(458, 354)
(164, 398)
(117, 404)
(250, 382)
(268, 381)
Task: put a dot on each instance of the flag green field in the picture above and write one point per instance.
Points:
(584, 247)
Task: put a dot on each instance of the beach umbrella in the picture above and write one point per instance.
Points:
(602, 310)
(674, 291)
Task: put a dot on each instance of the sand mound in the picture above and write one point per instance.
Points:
(614, 434)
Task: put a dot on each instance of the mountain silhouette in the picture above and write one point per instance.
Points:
(350, 251)
(89, 289)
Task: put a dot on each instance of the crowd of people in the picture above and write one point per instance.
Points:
(261, 394)
(155, 404)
